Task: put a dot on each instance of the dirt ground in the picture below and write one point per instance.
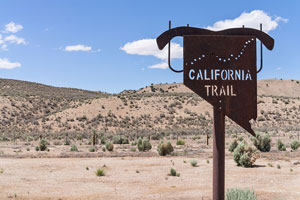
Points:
(140, 178)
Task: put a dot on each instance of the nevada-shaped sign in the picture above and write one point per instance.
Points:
(220, 66)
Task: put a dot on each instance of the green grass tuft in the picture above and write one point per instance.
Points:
(100, 172)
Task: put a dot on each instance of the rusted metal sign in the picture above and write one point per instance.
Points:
(222, 70)
(220, 66)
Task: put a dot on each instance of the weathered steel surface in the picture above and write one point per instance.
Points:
(222, 70)
(165, 37)
(220, 66)
(219, 155)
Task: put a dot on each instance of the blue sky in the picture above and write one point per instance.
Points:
(95, 45)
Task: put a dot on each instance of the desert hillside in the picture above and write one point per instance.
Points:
(34, 108)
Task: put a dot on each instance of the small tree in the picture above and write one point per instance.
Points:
(94, 139)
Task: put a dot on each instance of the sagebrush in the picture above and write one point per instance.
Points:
(240, 194)
(165, 149)
(245, 155)
(262, 142)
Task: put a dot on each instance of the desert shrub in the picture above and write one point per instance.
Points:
(43, 145)
(117, 139)
(133, 149)
(120, 140)
(4, 139)
(103, 139)
(233, 145)
(155, 137)
(240, 194)
(67, 140)
(278, 166)
(280, 145)
(262, 143)
(109, 146)
(134, 143)
(165, 149)
(173, 172)
(180, 142)
(244, 155)
(125, 141)
(57, 143)
(270, 164)
(144, 145)
(100, 172)
(74, 148)
(29, 138)
(92, 149)
(194, 163)
(295, 145)
(1, 171)
(37, 148)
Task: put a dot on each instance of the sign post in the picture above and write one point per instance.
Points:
(220, 66)
(219, 154)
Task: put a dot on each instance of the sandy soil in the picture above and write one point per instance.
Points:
(139, 178)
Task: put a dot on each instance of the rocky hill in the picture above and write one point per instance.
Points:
(31, 108)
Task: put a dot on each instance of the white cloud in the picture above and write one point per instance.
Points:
(3, 47)
(14, 39)
(13, 28)
(278, 68)
(1, 40)
(162, 65)
(6, 64)
(7, 37)
(250, 20)
(148, 47)
(78, 47)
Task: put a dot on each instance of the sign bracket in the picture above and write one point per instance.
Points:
(169, 52)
